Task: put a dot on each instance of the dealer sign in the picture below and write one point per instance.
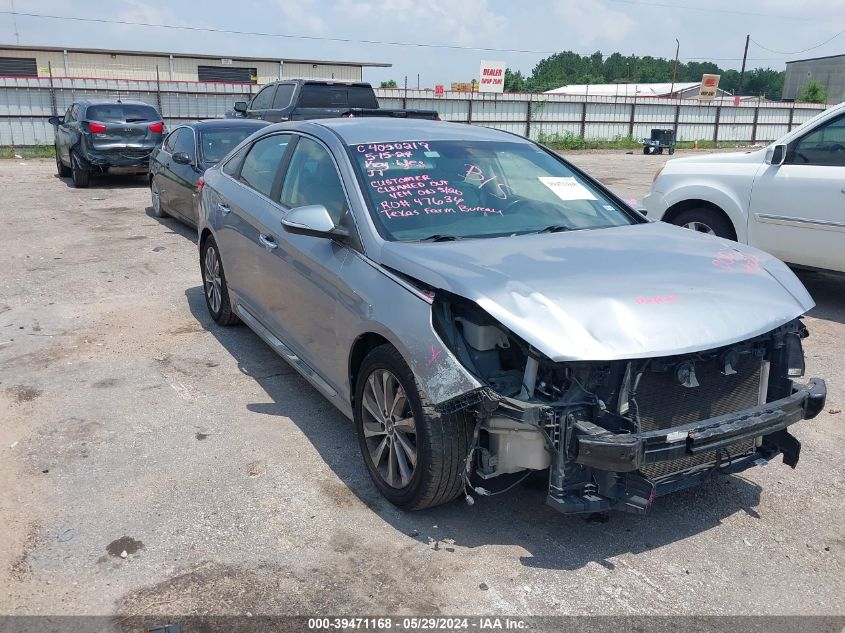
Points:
(491, 76)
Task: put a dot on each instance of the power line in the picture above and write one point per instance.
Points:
(801, 51)
(282, 35)
(341, 39)
(726, 11)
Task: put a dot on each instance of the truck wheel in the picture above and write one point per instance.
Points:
(704, 220)
(415, 456)
(646, 150)
(80, 176)
(671, 151)
(64, 172)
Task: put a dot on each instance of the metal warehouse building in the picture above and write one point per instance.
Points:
(828, 71)
(42, 61)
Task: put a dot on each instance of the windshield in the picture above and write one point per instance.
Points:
(123, 113)
(215, 144)
(460, 189)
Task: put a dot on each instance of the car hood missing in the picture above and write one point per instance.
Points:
(606, 294)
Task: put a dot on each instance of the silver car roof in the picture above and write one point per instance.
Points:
(354, 130)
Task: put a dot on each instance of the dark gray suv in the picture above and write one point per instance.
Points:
(106, 138)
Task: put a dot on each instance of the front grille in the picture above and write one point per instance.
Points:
(664, 469)
(662, 403)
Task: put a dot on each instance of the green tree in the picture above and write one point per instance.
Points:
(390, 83)
(514, 81)
(812, 92)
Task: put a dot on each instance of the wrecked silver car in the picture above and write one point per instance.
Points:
(481, 308)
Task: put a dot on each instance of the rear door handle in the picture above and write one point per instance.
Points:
(223, 208)
(267, 241)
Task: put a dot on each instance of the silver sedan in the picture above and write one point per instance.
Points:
(481, 309)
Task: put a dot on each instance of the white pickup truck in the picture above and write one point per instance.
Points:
(787, 199)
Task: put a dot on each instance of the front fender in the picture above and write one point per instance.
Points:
(387, 306)
(714, 193)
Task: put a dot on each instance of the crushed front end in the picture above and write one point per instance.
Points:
(618, 434)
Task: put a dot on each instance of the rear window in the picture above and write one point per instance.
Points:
(215, 144)
(337, 96)
(122, 113)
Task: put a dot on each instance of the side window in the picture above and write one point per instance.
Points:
(823, 146)
(170, 141)
(233, 165)
(312, 178)
(185, 142)
(283, 96)
(264, 99)
(261, 164)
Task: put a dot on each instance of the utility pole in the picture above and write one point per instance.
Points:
(742, 72)
(675, 68)
(15, 22)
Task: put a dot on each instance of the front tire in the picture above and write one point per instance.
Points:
(63, 171)
(81, 177)
(704, 220)
(155, 195)
(216, 290)
(415, 456)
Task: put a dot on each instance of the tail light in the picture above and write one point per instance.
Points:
(200, 184)
(437, 118)
(157, 127)
(96, 128)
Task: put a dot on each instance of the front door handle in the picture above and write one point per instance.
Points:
(267, 241)
(223, 208)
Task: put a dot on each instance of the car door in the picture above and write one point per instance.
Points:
(163, 174)
(302, 289)
(245, 206)
(262, 103)
(63, 134)
(280, 109)
(184, 175)
(798, 208)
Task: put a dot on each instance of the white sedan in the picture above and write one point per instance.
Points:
(787, 199)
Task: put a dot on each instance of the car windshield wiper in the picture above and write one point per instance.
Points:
(555, 228)
(136, 120)
(440, 237)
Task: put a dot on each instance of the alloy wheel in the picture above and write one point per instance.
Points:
(389, 428)
(699, 227)
(156, 196)
(213, 282)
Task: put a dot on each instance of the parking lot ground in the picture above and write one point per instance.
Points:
(152, 462)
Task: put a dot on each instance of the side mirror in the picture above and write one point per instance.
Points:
(55, 120)
(776, 154)
(313, 220)
(240, 106)
(183, 158)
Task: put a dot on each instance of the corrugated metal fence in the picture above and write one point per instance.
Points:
(26, 103)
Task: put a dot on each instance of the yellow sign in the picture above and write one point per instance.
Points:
(709, 87)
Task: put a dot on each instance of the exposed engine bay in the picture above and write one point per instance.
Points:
(617, 434)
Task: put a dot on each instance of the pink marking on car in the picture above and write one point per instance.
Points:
(656, 300)
(435, 354)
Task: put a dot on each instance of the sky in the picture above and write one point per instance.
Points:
(526, 32)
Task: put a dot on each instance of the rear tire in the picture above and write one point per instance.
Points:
(81, 177)
(439, 443)
(215, 288)
(704, 220)
(64, 172)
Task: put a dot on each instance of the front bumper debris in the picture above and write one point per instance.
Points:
(604, 450)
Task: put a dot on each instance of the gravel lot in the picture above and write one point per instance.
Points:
(152, 462)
